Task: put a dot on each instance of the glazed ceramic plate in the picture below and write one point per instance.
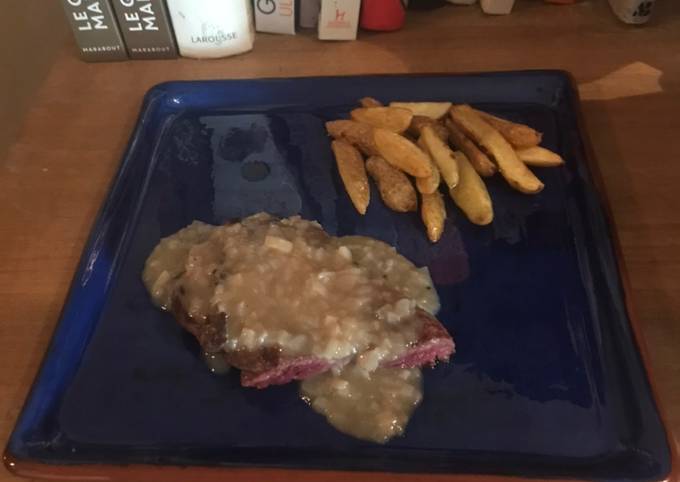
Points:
(547, 380)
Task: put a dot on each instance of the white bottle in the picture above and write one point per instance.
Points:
(212, 28)
(497, 7)
(632, 11)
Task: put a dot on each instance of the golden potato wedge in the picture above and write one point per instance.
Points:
(428, 185)
(480, 161)
(353, 174)
(441, 155)
(419, 121)
(391, 118)
(433, 213)
(471, 195)
(370, 102)
(358, 134)
(518, 135)
(433, 110)
(513, 170)
(401, 153)
(539, 157)
(394, 186)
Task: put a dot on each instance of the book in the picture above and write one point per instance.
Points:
(146, 29)
(95, 30)
(339, 19)
(275, 16)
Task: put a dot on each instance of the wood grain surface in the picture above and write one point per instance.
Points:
(32, 21)
(58, 170)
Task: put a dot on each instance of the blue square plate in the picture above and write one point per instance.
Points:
(547, 379)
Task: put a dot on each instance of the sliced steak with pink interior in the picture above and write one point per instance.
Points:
(269, 366)
(287, 370)
(435, 344)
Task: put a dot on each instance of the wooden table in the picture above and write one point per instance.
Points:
(58, 171)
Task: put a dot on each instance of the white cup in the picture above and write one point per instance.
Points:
(632, 11)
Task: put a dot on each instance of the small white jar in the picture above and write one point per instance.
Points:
(497, 7)
(632, 11)
(212, 28)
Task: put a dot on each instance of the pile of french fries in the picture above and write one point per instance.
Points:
(433, 144)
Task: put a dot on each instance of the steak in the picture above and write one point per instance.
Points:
(270, 366)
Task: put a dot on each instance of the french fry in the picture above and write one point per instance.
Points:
(433, 110)
(471, 195)
(420, 121)
(370, 102)
(539, 157)
(428, 185)
(401, 153)
(358, 134)
(352, 173)
(441, 155)
(478, 159)
(394, 186)
(513, 170)
(433, 213)
(393, 119)
(519, 135)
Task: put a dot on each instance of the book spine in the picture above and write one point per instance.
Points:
(275, 16)
(146, 28)
(95, 30)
